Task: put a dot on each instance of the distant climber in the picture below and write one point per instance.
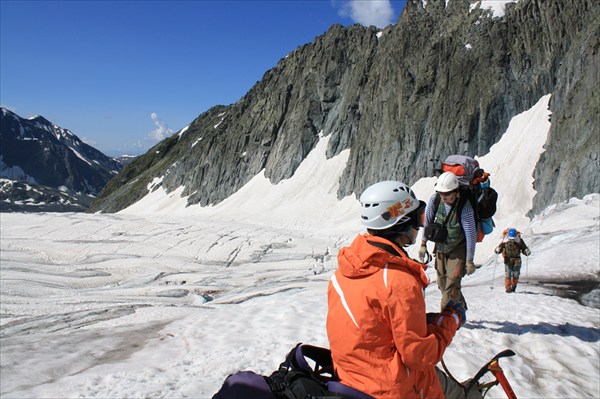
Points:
(511, 247)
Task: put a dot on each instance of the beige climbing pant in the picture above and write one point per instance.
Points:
(451, 268)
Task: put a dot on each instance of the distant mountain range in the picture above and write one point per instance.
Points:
(125, 159)
(44, 167)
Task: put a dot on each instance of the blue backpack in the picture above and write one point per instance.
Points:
(295, 379)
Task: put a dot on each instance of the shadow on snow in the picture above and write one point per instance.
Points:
(587, 334)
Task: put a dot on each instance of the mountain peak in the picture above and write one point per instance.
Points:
(35, 150)
(40, 119)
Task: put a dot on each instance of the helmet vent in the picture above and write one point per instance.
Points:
(371, 205)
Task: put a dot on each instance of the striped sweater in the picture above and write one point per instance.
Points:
(467, 220)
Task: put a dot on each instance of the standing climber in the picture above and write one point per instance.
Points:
(511, 250)
(455, 235)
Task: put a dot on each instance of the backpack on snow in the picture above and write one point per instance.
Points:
(474, 186)
(295, 379)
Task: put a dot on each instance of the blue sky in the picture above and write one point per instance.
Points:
(122, 75)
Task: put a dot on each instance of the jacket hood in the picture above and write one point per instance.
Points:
(363, 258)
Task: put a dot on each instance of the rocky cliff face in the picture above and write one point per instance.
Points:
(447, 78)
(570, 165)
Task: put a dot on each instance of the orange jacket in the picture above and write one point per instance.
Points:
(380, 341)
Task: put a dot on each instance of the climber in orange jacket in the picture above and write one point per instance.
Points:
(382, 341)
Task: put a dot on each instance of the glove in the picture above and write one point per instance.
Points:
(431, 317)
(527, 252)
(459, 309)
(471, 267)
(497, 250)
(422, 253)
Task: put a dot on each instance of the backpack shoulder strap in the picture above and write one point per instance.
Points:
(436, 201)
(467, 194)
(464, 197)
(436, 205)
(320, 356)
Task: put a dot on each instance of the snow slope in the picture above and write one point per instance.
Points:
(161, 300)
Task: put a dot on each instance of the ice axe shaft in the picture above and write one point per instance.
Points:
(499, 374)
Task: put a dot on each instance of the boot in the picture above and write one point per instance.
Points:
(514, 283)
(508, 285)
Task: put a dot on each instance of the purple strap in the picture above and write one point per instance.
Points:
(339, 388)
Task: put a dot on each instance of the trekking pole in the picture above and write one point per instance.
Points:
(494, 273)
(527, 270)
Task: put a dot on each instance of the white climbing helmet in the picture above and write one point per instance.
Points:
(387, 203)
(446, 182)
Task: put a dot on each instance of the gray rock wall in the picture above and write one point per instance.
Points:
(570, 165)
(442, 80)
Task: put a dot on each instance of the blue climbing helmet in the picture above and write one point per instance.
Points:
(512, 233)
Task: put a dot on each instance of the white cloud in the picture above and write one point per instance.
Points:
(369, 12)
(161, 131)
